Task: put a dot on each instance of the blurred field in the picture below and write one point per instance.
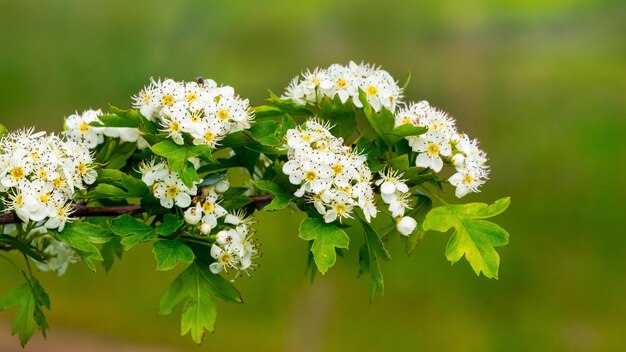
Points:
(541, 83)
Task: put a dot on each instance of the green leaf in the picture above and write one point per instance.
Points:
(169, 253)
(31, 299)
(111, 250)
(193, 290)
(265, 132)
(473, 238)
(132, 231)
(340, 115)
(25, 248)
(374, 249)
(419, 211)
(178, 158)
(281, 199)
(81, 236)
(403, 131)
(3, 130)
(235, 198)
(114, 184)
(237, 139)
(382, 122)
(113, 120)
(325, 237)
(121, 155)
(399, 163)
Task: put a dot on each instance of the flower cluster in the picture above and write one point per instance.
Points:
(443, 143)
(78, 128)
(41, 173)
(206, 210)
(234, 247)
(380, 89)
(202, 110)
(166, 184)
(395, 193)
(334, 178)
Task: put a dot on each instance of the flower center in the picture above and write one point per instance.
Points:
(337, 169)
(58, 182)
(340, 208)
(171, 191)
(191, 97)
(372, 90)
(223, 114)
(468, 179)
(167, 99)
(341, 83)
(17, 173)
(433, 149)
(209, 137)
(225, 258)
(174, 126)
(146, 99)
(208, 207)
(83, 127)
(82, 169)
(310, 175)
(44, 198)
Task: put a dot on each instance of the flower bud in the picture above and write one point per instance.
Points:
(222, 186)
(406, 225)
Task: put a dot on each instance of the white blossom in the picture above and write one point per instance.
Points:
(40, 173)
(331, 176)
(345, 82)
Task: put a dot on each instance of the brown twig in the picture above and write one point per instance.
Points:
(84, 211)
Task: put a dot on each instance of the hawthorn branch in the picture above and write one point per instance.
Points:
(81, 211)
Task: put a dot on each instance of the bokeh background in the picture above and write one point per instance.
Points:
(542, 84)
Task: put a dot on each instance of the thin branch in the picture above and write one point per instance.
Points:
(83, 211)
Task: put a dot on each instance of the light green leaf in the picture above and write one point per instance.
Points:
(403, 131)
(81, 236)
(281, 199)
(193, 290)
(178, 158)
(473, 238)
(169, 253)
(373, 250)
(325, 237)
(3, 130)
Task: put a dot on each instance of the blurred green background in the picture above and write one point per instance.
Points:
(542, 84)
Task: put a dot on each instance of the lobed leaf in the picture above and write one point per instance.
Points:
(326, 238)
(473, 238)
(193, 290)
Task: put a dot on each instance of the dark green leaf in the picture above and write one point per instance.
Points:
(31, 299)
(419, 211)
(281, 199)
(341, 115)
(25, 248)
(374, 250)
